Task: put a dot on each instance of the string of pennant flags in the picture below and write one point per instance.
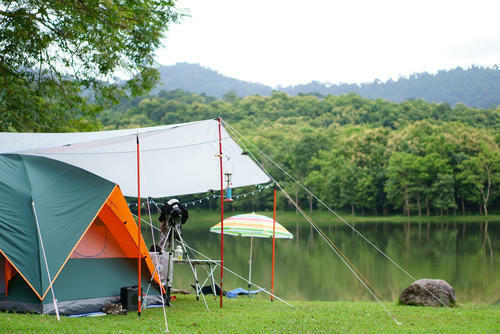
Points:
(198, 201)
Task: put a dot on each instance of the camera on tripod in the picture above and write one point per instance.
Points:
(173, 215)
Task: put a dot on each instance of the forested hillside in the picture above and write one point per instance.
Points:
(476, 86)
(359, 155)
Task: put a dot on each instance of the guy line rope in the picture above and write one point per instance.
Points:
(239, 137)
(157, 264)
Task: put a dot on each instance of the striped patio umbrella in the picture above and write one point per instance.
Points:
(252, 225)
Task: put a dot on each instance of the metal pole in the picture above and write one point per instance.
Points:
(170, 276)
(250, 267)
(45, 260)
(221, 213)
(139, 258)
(274, 241)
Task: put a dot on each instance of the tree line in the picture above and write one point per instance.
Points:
(58, 63)
(474, 86)
(359, 155)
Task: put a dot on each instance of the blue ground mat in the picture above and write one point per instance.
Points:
(241, 292)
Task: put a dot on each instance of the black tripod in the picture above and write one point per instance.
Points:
(173, 230)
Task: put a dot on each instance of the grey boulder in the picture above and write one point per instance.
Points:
(419, 293)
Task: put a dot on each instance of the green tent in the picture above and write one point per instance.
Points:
(62, 222)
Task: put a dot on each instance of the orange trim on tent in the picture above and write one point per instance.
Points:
(20, 273)
(119, 207)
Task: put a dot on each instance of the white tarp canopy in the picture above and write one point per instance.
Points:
(176, 159)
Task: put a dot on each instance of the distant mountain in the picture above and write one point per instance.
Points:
(475, 86)
(197, 79)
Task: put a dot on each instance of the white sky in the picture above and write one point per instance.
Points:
(286, 42)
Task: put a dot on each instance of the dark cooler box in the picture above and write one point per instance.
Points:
(128, 297)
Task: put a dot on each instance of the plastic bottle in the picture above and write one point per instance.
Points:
(178, 252)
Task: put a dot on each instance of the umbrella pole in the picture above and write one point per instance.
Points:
(221, 214)
(139, 294)
(250, 267)
(274, 240)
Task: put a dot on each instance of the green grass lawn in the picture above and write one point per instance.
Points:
(244, 315)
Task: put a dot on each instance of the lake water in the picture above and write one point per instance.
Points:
(466, 255)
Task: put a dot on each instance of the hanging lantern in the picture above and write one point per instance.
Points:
(229, 191)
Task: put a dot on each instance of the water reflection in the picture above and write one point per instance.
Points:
(487, 242)
(307, 269)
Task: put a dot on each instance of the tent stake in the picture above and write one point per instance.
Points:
(139, 259)
(221, 214)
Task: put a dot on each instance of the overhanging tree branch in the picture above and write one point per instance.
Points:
(59, 48)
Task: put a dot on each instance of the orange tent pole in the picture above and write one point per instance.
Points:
(274, 240)
(139, 294)
(221, 214)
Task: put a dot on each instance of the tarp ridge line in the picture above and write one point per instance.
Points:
(163, 128)
(123, 152)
